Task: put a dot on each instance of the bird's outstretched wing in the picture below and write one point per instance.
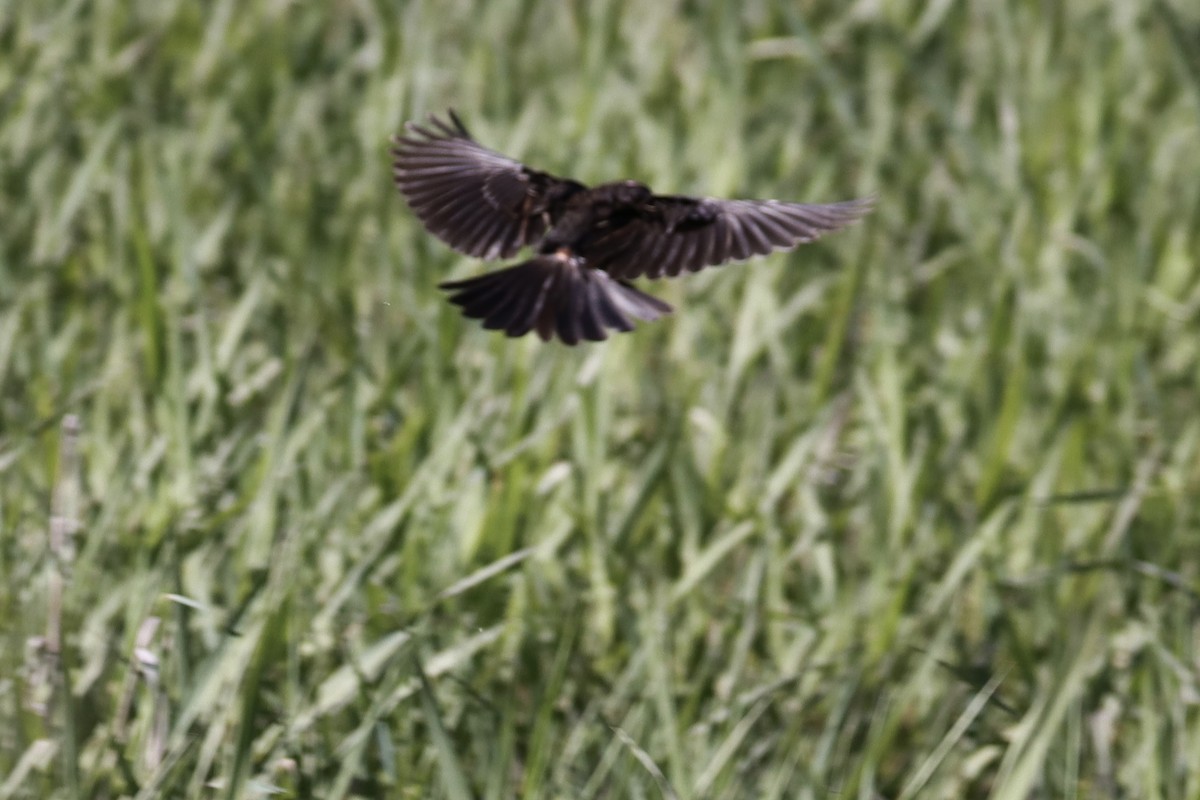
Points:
(478, 201)
(670, 234)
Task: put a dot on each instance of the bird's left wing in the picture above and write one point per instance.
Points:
(478, 201)
(670, 234)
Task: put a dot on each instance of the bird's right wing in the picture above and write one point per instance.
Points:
(672, 233)
(476, 200)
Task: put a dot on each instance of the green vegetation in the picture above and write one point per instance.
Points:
(908, 513)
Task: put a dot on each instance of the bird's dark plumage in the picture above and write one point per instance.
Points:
(590, 241)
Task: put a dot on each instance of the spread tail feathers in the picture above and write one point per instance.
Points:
(553, 294)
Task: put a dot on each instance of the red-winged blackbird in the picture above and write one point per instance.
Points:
(590, 241)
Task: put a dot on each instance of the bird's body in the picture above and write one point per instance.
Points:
(588, 212)
(589, 241)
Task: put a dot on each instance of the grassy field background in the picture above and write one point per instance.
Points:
(909, 513)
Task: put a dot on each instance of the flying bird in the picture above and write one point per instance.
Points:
(590, 241)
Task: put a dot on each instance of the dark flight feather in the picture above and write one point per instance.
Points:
(590, 241)
(553, 294)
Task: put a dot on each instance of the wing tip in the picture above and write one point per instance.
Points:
(436, 127)
(458, 123)
(862, 205)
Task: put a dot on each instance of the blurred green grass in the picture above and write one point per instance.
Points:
(908, 513)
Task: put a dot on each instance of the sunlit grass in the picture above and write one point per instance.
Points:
(907, 513)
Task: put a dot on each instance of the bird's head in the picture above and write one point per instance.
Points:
(630, 192)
